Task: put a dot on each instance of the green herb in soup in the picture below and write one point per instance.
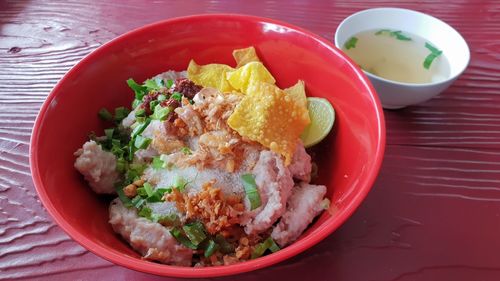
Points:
(397, 55)
(398, 34)
(351, 43)
(432, 56)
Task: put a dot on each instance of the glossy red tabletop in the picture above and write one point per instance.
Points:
(433, 213)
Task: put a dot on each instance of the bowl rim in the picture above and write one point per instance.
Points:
(450, 79)
(295, 248)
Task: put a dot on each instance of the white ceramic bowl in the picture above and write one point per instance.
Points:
(397, 94)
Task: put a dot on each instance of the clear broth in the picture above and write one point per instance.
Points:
(386, 56)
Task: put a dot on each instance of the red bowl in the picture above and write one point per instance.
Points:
(349, 159)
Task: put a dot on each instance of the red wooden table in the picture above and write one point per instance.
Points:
(433, 214)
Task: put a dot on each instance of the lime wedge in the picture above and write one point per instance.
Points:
(322, 117)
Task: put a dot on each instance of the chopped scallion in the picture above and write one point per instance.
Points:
(176, 96)
(105, 115)
(211, 248)
(138, 202)
(251, 190)
(140, 128)
(179, 183)
(153, 84)
(139, 90)
(136, 103)
(140, 112)
(161, 98)
(166, 220)
(145, 212)
(121, 113)
(125, 200)
(351, 43)
(109, 133)
(195, 232)
(435, 52)
(261, 248)
(157, 163)
(142, 142)
(398, 34)
(224, 246)
(186, 150)
(121, 165)
(148, 188)
(178, 234)
(142, 192)
(274, 247)
(161, 113)
(153, 104)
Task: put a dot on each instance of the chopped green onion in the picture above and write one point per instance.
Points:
(148, 188)
(398, 34)
(179, 183)
(169, 83)
(136, 103)
(105, 115)
(261, 248)
(109, 133)
(178, 234)
(251, 190)
(153, 84)
(140, 112)
(274, 247)
(195, 232)
(161, 98)
(140, 128)
(121, 165)
(186, 150)
(166, 220)
(138, 202)
(435, 52)
(161, 113)
(131, 149)
(153, 104)
(433, 49)
(121, 113)
(383, 31)
(176, 96)
(145, 212)
(135, 171)
(163, 190)
(157, 194)
(142, 192)
(157, 163)
(351, 43)
(139, 90)
(211, 248)
(142, 142)
(125, 200)
(224, 246)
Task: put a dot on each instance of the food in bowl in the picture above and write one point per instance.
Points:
(398, 55)
(208, 167)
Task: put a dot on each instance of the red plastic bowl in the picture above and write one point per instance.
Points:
(349, 159)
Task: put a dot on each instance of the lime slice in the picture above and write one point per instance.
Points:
(322, 117)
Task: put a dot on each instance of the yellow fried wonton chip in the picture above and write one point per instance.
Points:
(251, 73)
(210, 75)
(298, 93)
(244, 56)
(268, 115)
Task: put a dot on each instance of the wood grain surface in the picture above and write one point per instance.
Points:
(433, 214)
